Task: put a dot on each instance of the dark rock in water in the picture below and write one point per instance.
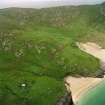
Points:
(66, 100)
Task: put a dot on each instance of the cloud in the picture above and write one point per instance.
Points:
(44, 3)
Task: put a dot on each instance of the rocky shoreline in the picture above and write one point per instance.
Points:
(66, 99)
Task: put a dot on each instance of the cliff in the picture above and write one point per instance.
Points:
(66, 99)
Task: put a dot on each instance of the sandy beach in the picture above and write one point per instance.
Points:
(80, 86)
(93, 49)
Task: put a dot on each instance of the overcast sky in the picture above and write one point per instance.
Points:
(44, 3)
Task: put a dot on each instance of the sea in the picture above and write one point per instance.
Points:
(94, 96)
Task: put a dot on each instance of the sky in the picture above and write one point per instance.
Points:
(44, 3)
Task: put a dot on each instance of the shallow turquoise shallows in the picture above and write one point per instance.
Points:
(95, 96)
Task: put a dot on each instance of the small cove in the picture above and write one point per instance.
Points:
(96, 94)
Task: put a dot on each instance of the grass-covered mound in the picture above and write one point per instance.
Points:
(37, 48)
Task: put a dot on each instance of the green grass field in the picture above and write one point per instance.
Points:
(38, 49)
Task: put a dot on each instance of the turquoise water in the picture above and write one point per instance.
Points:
(95, 96)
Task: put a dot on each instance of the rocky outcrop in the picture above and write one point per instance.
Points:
(101, 72)
(66, 99)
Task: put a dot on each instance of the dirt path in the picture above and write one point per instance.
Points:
(79, 86)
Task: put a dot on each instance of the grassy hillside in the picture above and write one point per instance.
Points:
(37, 48)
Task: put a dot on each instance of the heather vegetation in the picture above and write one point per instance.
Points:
(38, 49)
